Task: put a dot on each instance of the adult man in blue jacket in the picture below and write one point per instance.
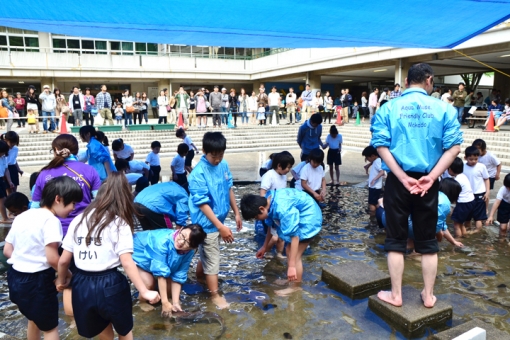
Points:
(309, 135)
(418, 137)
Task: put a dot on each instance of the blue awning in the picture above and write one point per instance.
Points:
(263, 23)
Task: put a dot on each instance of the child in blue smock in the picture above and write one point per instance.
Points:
(97, 154)
(166, 254)
(298, 220)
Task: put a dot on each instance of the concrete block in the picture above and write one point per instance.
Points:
(355, 279)
(412, 316)
(492, 332)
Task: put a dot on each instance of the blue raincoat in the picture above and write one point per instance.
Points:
(209, 184)
(97, 154)
(417, 129)
(309, 137)
(154, 251)
(294, 213)
(167, 198)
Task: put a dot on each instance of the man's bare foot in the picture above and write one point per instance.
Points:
(145, 306)
(428, 302)
(220, 301)
(386, 296)
(281, 282)
(287, 291)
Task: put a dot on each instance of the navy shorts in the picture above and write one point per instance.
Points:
(380, 215)
(189, 157)
(101, 298)
(491, 181)
(36, 296)
(3, 188)
(374, 195)
(503, 212)
(474, 210)
(334, 157)
(13, 171)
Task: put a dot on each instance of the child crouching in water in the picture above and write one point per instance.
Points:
(100, 240)
(298, 220)
(32, 249)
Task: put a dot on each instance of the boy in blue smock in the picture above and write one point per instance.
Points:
(164, 256)
(210, 200)
(417, 138)
(161, 204)
(298, 220)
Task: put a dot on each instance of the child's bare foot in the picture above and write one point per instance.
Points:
(145, 306)
(281, 282)
(429, 301)
(220, 301)
(287, 291)
(386, 296)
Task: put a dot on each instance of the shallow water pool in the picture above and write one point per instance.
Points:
(473, 280)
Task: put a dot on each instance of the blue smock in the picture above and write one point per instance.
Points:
(154, 251)
(295, 213)
(97, 154)
(209, 184)
(417, 129)
(309, 137)
(167, 198)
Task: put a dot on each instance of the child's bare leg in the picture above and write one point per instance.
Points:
(478, 226)
(458, 229)
(331, 174)
(107, 333)
(280, 244)
(467, 226)
(372, 209)
(51, 335)
(200, 270)
(3, 211)
(149, 282)
(272, 241)
(295, 286)
(212, 285)
(502, 229)
(337, 168)
(33, 332)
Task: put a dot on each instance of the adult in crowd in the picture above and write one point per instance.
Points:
(232, 105)
(192, 109)
(182, 99)
(263, 99)
(479, 100)
(447, 93)
(137, 104)
(127, 105)
(396, 92)
(62, 106)
(19, 104)
(162, 107)
(87, 111)
(459, 100)
(104, 104)
(274, 101)
(317, 103)
(290, 104)
(437, 93)
(468, 103)
(7, 108)
(154, 107)
(372, 102)
(216, 106)
(307, 98)
(202, 104)
(385, 95)
(76, 104)
(414, 180)
(65, 163)
(172, 113)
(346, 105)
(309, 136)
(253, 106)
(224, 106)
(364, 105)
(144, 112)
(328, 107)
(33, 103)
(48, 104)
(243, 106)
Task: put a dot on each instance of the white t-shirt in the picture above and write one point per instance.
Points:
(273, 180)
(374, 170)
(153, 159)
(297, 169)
(178, 164)
(274, 99)
(466, 194)
(312, 176)
(503, 194)
(334, 143)
(13, 154)
(31, 232)
(187, 140)
(138, 166)
(124, 153)
(476, 175)
(489, 160)
(115, 241)
(132, 178)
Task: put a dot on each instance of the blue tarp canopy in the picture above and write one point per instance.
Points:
(263, 23)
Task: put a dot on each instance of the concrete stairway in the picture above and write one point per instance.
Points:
(35, 149)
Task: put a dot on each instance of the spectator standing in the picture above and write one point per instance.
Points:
(262, 100)
(328, 107)
(9, 106)
(61, 104)
(385, 95)
(244, 106)
(253, 106)
(468, 103)
(446, 94)
(162, 107)
(154, 106)
(137, 103)
(182, 99)
(274, 100)
(232, 105)
(307, 98)
(145, 109)
(459, 100)
(396, 92)
(87, 111)
(215, 103)
(104, 104)
(346, 105)
(32, 101)
(436, 94)
(372, 102)
(202, 105)
(364, 106)
(317, 103)
(290, 102)
(19, 104)
(127, 105)
(192, 109)
(224, 106)
(48, 108)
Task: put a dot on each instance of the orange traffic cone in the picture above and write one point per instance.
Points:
(63, 124)
(180, 121)
(339, 115)
(490, 123)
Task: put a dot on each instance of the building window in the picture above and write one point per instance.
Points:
(74, 44)
(127, 47)
(16, 41)
(87, 44)
(3, 40)
(59, 43)
(141, 48)
(152, 49)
